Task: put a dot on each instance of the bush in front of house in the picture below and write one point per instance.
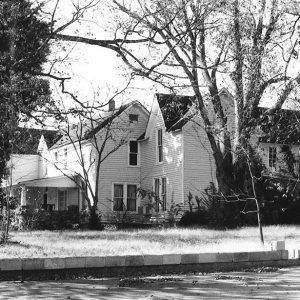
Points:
(25, 218)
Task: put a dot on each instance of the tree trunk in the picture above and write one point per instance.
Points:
(94, 220)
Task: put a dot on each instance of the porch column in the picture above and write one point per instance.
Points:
(23, 196)
(79, 200)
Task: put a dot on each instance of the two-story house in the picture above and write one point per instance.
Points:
(164, 153)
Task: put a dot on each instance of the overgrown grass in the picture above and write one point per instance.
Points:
(150, 241)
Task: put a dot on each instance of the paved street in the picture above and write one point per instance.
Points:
(280, 284)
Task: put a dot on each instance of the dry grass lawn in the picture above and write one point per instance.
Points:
(149, 241)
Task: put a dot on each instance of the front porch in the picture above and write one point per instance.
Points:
(51, 194)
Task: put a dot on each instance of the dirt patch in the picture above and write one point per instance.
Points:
(137, 281)
(262, 270)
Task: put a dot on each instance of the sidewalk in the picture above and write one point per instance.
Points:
(277, 284)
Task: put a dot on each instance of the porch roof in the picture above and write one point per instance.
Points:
(58, 181)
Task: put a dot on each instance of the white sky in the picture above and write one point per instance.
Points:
(96, 72)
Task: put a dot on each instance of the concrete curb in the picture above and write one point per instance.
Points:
(59, 263)
(108, 266)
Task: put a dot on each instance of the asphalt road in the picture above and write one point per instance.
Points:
(261, 284)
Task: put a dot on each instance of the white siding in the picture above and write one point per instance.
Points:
(115, 168)
(171, 167)
(199, 166)
(22, 167)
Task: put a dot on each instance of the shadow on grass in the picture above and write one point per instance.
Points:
(21, 245)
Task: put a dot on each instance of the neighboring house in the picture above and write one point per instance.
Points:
(279, 143)
(165, 154)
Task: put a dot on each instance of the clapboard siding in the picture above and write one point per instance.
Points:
(171, 167)
(116, 169)
(198, 162)
(22, 167)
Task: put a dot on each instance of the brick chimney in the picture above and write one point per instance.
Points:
(111, 105)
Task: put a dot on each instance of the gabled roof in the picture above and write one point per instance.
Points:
(87, 131)
(27, 139)
(106, 121)
(174, 109)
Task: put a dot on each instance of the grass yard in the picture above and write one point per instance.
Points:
(147, 241)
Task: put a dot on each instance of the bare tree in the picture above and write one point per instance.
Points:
(200, 46)
(95, 136)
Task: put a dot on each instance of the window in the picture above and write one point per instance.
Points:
(118, 197)
(156, 194)
(122, 192)
(159, 146)
(62, 199)
(160, 193)
(65, 158)
(133, 153)
(164, 193)
(55, 157)
(133, 118)
(272, 157)
(45, 196)
(131, 197)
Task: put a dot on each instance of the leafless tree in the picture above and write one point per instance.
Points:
(250, 47)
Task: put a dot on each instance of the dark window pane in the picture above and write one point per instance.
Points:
(133, 146)
(164, 193)
(131, 191)
(133, 159)
(118, 190)
(156, 192)
(131, 197)
(118, 197)
(160, 154)
(159, 137)
(133, 118)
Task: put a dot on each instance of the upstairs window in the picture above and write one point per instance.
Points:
(55, 157)
(159, 146)
(65, 158)
(133, 118)
(272, 157)
(133, 153)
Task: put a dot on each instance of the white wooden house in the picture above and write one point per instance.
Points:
(164, 152)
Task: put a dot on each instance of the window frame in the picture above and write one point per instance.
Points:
(272, 157)
(164, 193)
(156, 193)
(65, 158)
(113, 197)
(159, 146)
(136, 153)
(160, 204)
(65, 191)
(55, 157)
(125, 196)
(134, 116)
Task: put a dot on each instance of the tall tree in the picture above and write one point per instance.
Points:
(250, 47)
(23, 50)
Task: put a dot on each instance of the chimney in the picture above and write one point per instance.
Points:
(111, 105)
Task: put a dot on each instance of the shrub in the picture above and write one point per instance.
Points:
(27, 218)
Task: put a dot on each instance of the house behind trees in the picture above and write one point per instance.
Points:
(153, 162)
